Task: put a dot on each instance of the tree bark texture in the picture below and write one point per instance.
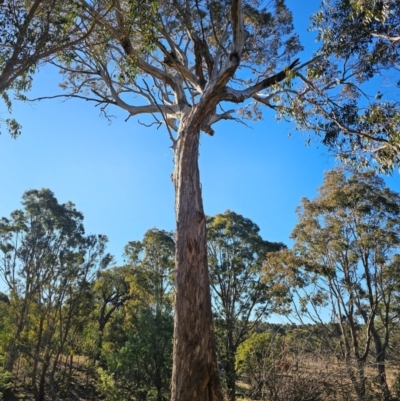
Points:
(231, 379)
(195, 374)
(380, 360)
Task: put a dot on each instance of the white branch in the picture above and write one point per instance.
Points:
(239, 35)
(239, 96)
(218, 117)
(220, 51)
(393, 39)
(266, 99)
(134, 110)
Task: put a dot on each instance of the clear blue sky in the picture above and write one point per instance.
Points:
(119, 174)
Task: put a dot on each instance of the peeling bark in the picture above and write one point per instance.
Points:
(195, 374)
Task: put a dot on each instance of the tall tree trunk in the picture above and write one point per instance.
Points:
(194, 374)
(380, 360)
(42, 381)
(362, 380)
(13, 350)
(36, 355)
(231, 375)
(356, 371)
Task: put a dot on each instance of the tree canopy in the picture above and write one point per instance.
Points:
(31, 33)
(345, 259)
(241, 300)
(351, 93)
(48, 264)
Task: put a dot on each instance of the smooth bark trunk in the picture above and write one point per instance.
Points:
(195, 375)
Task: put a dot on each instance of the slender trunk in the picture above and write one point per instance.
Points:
(195, 374)
(36, 355)
(42, 381)
(231, 376)
(230, 369)
(60, 350)
(362, 380)
(13, 350)
(70, 366)
(52, 381)
(380, 365)
(357, 377)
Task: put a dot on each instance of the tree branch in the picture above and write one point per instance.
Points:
(237, 28)
(239, 96)
(392, 39)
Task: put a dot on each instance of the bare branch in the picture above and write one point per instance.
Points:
(237, 27)
(266, 99)
(239, 96)
(158, 122)
(168, 123)
(218, 117)
(172, 61)
(174, 46)
(71, 96)
(393, 39)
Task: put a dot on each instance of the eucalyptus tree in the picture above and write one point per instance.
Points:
(183, 59)
(138, 339)
(48, 263)
(241, 299)
(151, 265)
(152, 262)
(182, 62)
(345, 261)
(111, 291)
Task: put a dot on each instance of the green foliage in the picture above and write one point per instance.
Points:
(4, 298)
(108, 385)
(358, 42)
(356, 120)
(6, 335)
(137, 342)
(178, 39)
(48, 264)
(7, 322)
(236, 253)
(152, 263)
(141, 367)
(259, 353)
(12, 125)
(361, 32)
(63, 307)
(346, 259)
(5, 378)
(241, 299)
(31, 32)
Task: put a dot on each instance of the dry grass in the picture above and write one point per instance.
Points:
(311, 379)
(75, 384)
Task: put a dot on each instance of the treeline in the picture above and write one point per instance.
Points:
(74, 326)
